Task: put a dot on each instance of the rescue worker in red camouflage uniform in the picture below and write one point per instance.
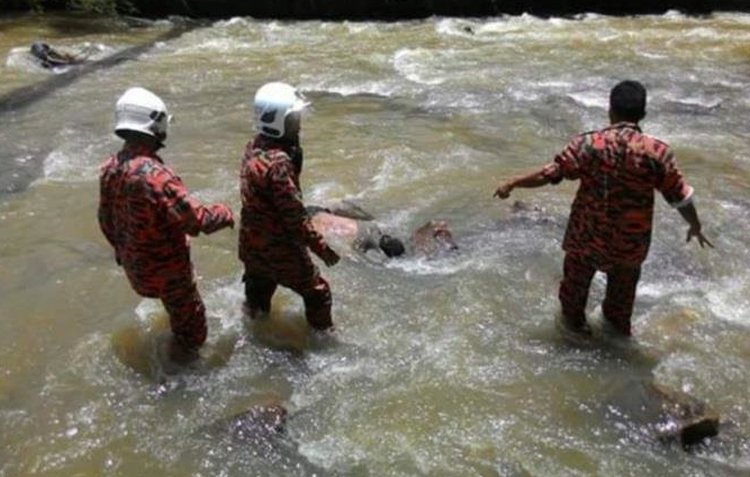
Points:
(609, 228)
(276, 229)
(146, 214)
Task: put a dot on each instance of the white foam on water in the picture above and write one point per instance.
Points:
(730, 301)
(398, 167)
(148, 310)
(708, 102)
(356, 28)
(322, 193)
(217, 45)
(703, 33)
(233, 22)
(428, 266)
(62, 166)
(72, 165)
(590, 16)
(417, 65)
(674, 15)
(590, 99)
(652, 56)
(20, 59)
(734, 17)
(554, 84)
(660, 289)
(224, 301)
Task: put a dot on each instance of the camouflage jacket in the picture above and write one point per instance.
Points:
(273, 215)
(619, 168)
(145, 213)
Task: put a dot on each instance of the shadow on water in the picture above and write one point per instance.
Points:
(20, 167)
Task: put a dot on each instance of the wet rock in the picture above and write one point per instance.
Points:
(669, 415)
(258, 422)
(684, 418)
(261, 432)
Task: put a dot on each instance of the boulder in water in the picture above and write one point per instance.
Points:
(671, 416)
(684, 418)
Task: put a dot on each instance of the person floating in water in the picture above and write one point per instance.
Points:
(276, 229)
(364, 234)
(146, 213)
(609, 228)
(50, 58)
(361, 234)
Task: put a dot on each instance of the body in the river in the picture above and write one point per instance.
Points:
(366, 234)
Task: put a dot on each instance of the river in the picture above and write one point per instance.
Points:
(445, 367)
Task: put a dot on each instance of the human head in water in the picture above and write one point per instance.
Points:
(391, 246)
(627, 102)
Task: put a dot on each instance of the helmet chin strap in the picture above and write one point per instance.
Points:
(297, 158)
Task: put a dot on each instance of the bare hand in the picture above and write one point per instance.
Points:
(503, 192)
(702, 240)
(329, 257)
(225, 217)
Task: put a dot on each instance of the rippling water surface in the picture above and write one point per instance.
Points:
(450, 366)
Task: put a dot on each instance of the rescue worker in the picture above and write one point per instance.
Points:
(276, 229)
(146, 213)
(609, 228)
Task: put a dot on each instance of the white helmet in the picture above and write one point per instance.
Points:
(142, 111)
(273, 103)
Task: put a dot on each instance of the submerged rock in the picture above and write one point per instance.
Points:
(258, 422)
(684, 418)
(669, 415)
(261, 432)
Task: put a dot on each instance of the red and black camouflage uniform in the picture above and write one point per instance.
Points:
(609, 228)
(145, 212)
(276, 233)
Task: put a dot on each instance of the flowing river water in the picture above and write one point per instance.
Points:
(445, 367)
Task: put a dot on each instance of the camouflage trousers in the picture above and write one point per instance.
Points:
(622, 280)
(291, 268)
(187, 314)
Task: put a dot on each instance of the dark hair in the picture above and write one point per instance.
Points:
(392, 247)
(627, 101)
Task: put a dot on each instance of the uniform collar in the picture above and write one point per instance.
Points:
(132, 150)
(625, 125)
(265, 142)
